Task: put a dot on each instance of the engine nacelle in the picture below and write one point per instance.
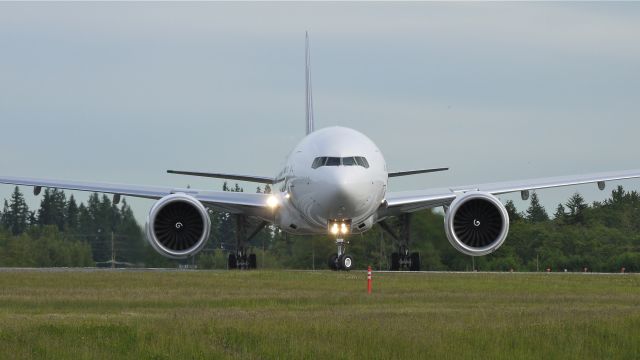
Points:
(178, 226)
(476, 223)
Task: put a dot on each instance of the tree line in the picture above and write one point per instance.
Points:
(62, 232)
(601, 236)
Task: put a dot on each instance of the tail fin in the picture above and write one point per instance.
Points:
(309, 105)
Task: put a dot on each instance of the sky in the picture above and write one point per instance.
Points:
(121, 92)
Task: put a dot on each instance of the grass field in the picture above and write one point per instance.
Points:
(277, 314)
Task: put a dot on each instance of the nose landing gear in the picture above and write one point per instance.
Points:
(341, 260)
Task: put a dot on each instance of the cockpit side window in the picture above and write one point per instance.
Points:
(362, 162)
(319, 161)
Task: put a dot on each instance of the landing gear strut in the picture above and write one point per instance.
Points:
(242, 258)
(341, 260)
(402, 259)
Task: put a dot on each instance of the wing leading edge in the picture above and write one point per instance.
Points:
(410, 201)
(252, 204)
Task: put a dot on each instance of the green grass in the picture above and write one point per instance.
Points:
(277, 314)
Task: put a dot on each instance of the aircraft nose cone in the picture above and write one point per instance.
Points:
(344, 196)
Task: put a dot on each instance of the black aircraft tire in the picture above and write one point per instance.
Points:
(333, 261)
(253, 261)
(395, 262)
(415, 262)
(346, 262)
(232, 262)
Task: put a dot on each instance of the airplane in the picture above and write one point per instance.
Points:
(335, 182)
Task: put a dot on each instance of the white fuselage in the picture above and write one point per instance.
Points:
(333, 174)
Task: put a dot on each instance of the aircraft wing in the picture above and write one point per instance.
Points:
(252, 204)
(410, 201)
(250, 178)
(414, 172)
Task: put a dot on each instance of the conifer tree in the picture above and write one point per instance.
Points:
(6, 216)
(514, 215)
(71, 214)
(16, 214)
(44, 212)
(617, 195)
(52, 208)
(59, 205)
(96, 227)
(560, 213)
(84, 220)
(535, 212)
(33, 220)
(576, 207)
(129, 240)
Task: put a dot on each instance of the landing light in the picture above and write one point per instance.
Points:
(272, 202)
(337, 227)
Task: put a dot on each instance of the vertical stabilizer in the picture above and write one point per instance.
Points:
(309, 105)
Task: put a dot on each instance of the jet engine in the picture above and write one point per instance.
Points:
(178, 226)
(476, 223)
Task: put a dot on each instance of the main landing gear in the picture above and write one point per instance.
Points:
(242, 258)
(341, 260)
(402, 259)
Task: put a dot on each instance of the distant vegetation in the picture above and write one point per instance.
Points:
(603, 236)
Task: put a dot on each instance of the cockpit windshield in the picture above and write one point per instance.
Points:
(349, 161)
(333, 161)
(336, 161)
